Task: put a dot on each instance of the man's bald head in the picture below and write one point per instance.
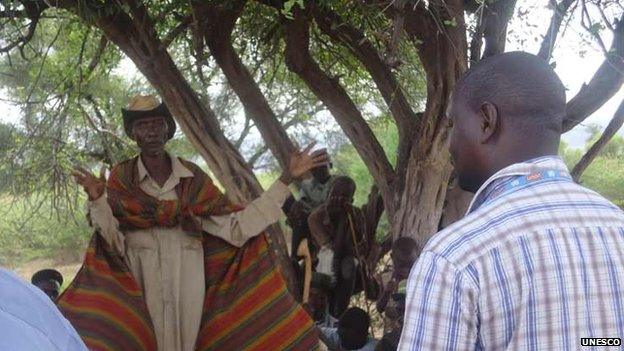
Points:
(506, 109)
(522, 86)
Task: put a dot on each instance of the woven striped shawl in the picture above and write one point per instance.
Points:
(247, 304)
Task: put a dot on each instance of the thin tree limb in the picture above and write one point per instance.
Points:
(300, 61)
(495, 19)
(98, 54)
(392, 92)
(216, 28)
(559, 13)
(594, 150)
(604, 84)
(177, 31)
(23, 39)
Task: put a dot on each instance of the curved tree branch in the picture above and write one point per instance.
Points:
(300, 61)
(32, 10)
(609, 132)
(604, 84)
(392, 92)
(177, 31)
(98, 54)
(22, 40)
(559, 13)
(495, 19)
(216, 27)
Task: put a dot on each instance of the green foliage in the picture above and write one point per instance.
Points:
(29, 232)
(605, 174)
(289, 6)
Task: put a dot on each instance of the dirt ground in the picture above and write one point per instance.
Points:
(68, 268)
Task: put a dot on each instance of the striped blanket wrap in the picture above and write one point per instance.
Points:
(247, 304)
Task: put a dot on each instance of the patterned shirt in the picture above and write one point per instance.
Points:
(538, 263)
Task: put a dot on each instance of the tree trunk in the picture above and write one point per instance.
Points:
(421, 202)
(443, 54)
(455, 205)
(334, 96)
(217, 25)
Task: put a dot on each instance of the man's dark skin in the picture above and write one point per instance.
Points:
(317, 303)
(321, 174)
(50, 288)
(150, 134)
(338, 236)
(353, 328)
(340, 202)
(49, 281)
(297, 219)
(491, 129)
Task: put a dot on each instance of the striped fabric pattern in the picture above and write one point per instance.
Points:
(105, 304)
(247, 304)
(537, 267)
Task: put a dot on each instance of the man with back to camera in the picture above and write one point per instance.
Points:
(537, 263)
(351, 333)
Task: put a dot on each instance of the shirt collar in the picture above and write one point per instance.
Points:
(177, 169)
(551, 163)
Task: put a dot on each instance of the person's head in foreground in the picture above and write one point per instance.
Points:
(404, 253)
(340, 196)
(49, 281)
(507, 109)
(353, 328)
(149, 123)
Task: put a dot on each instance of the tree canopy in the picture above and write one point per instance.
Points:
(245, 78)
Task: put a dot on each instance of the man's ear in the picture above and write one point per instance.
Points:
(490, 121)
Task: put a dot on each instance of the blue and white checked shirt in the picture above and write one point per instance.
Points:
(537, 267)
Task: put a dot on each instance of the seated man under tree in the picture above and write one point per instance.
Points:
(339, 229)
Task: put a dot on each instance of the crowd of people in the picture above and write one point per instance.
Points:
(536, 263)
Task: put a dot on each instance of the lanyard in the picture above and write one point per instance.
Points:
(521, 182)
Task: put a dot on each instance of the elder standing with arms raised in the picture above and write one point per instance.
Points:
(180, 267)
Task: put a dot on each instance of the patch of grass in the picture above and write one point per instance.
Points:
(30, 230)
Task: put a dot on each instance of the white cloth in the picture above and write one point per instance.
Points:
(168, 263)
(325, 261)
(30, 321)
